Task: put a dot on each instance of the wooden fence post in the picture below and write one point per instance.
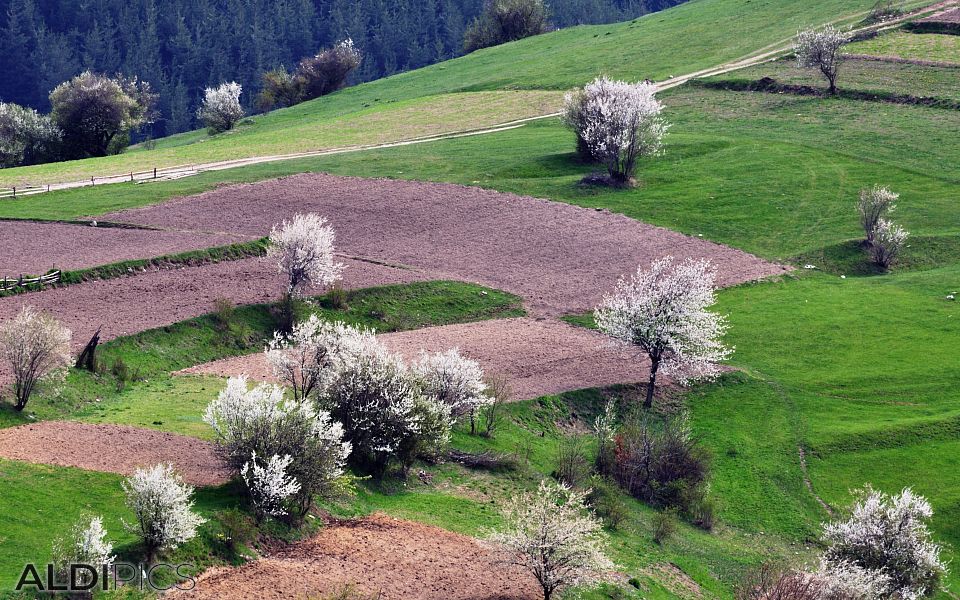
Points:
(14, 192)
(154, 172)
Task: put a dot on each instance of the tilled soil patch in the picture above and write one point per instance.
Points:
(31, 248)
(399, 560)
(560, 258)
(112, 449)
(539, 357)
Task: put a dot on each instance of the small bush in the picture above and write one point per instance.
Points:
(27, 137)
(573, 467)
(337, 297)
(237, 527)
(279, 90)
(604, 497)
(661, 463)
(505, 21)
(160, 501)
(498, 389)
(664, 525)
(121, 373)
(770, 582)
(702, 513)
(326, 72)
(875, 204)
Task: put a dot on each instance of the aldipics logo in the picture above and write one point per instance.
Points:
(80, 577)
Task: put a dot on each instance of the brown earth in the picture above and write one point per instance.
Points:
(538, 356)
(400, 560)
(34, 248)
(112, 449)
(949, 16)
(560, 258)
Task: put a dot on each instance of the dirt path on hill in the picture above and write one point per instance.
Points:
(560, 258)
(539, 357)
(111, 449)
(399, 560)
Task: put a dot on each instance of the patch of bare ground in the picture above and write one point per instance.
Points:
(111, 449)
(560, 258)
(674, 579)
(375, 555)
(32, 248)
(539, 356)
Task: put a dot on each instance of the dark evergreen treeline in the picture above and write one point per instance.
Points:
(182, 46)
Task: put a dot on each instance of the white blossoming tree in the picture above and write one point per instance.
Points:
(875, 203)
(315, 350)
(821, 49)
(86, 544)
(886, 540)
(36, 349)
(303, 251)
(663, 312)
(161, 503)
(259, 421)
(269, 485)
(617, 122)
(889, 240)
(553, 535)
(221, 108)
(455, 381)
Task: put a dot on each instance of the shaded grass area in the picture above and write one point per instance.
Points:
(852, 258)
(151, 355)
(862, 78)
(911, 46)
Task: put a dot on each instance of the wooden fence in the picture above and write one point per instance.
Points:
(7, 284)
(134, 176)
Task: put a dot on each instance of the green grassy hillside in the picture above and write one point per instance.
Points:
(687, 38)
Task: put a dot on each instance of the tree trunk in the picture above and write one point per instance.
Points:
(652, 384)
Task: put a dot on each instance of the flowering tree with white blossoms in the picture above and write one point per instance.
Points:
(221, 107)
(303, 251)
(886, 538)
(875, 203)
(315, 350)
(161, 503)
(269, 485)
(821, 49)
(663, 312)
(617, 122)
(259, 421)
(454, 380)
(36, 349)
(888, 241)
(86, 545)
(552, 534)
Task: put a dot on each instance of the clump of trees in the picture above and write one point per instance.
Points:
(504, 21)
(96, 113)
(884, 238)
(163, 509)
(221, 108)
(662, 313)
(616, 123)
(882, 550)
(258, 432)
(36, 349)
(821, 49)
(26, 136)
(552, 534)
(315, 76)
(303, 251)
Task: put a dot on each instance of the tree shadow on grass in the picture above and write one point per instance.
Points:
(852, 259)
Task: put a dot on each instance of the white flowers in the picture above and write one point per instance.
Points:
(221, 107)
(821, 49)
(26, 136)
(552, 534)
(617, 122)
(874, 204)
(258, 421)
(453, 380)
(36, 348)
(663, 311)
(161, 503)
(269, 485)
(888, 241)
(303, 250)
(885, 546)
(86, 545)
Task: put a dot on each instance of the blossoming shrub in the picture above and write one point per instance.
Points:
(455, 381)
(86, 544)
(250, 422)
(221, 108)
(162, 507)
(269, 485)
(36, 349)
